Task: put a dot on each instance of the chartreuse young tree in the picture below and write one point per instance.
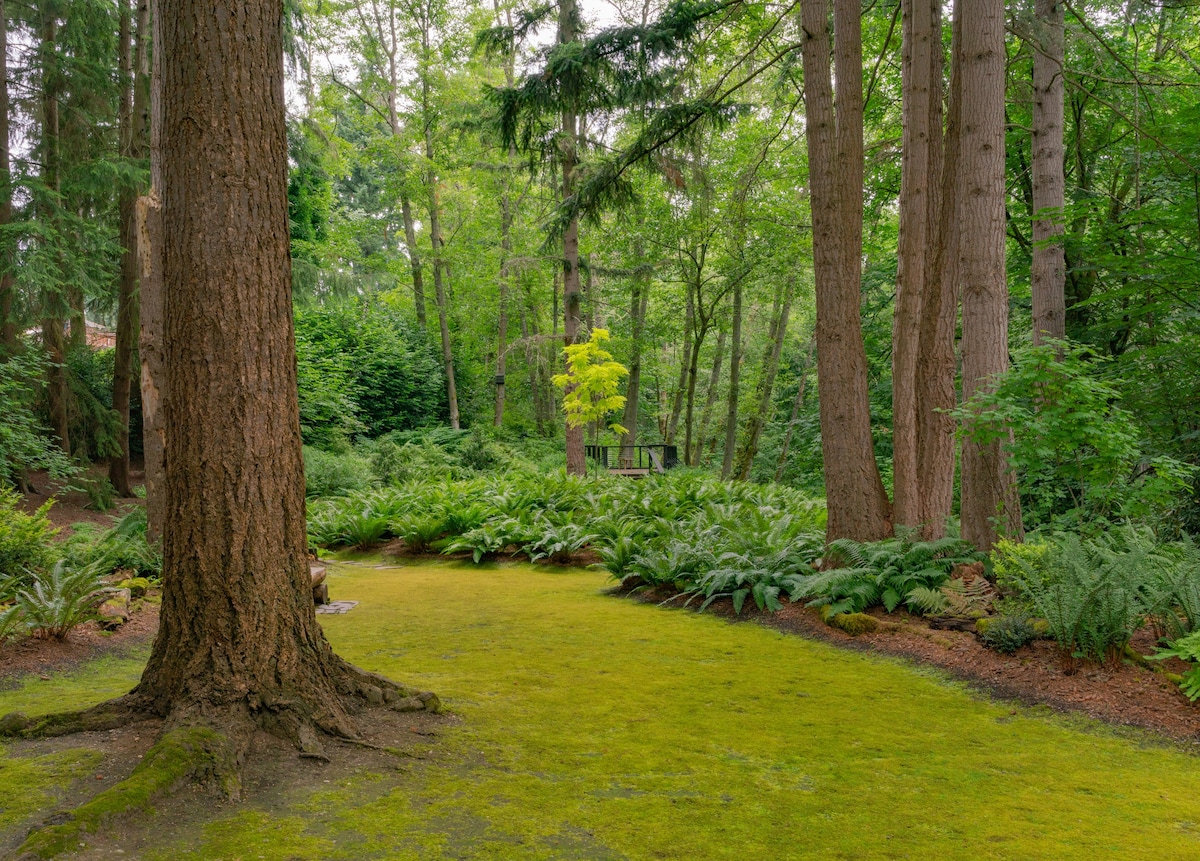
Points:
(590, 383)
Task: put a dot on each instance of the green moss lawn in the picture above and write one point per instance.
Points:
(599, 728)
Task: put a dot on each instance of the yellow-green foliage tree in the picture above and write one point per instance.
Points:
(590, 383)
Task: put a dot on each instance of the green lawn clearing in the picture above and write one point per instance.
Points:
(598, 728)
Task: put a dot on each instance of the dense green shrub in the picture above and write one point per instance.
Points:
(24, 538)
(328, 474)
(361, 367)
(1078, 455)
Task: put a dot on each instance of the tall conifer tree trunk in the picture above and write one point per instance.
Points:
(568, 31)
(1048, 269)
(133, 132)
(990, 506)
(858, 506)
(54, 304)
(238, 647)
(150, 297)
(913, 250)
(8, 326)
(936, 364)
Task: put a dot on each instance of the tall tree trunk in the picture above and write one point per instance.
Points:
(9, 341)
(912, 255)
(936, 364)
(150, 297)
(502, 310)
(568, 31)
(437, 245)
(735, 375)
(990, 507)
(858, 505)
(766, 381)
(710, 398)
(638, 300)
(689, 322)
(1048, 268)
(131, 121)
(239, 647)
(55, 308)
(801, 388)
(414, 259)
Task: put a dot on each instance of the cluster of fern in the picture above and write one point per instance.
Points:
(40, 594)
(1096, 591)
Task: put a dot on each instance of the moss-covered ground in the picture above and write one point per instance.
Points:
(597, 728)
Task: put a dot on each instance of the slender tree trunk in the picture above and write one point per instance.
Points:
(131, 121)
(858, 505)
(693, 374)
(710, 398)
(502, 310)
(150, 297)
(9, 341)
(1048, 268)
(568, 31)
(801, 388)
(639, 298)
(936, 365)
(735, 375)
(766, 382)
(414, 258)
(437, 244)
(55, 308)
(990, 507)
(677, 403)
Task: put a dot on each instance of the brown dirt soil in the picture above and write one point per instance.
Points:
(71, 506)
(1122, 694)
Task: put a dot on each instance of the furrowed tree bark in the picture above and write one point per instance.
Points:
(132, 123)
(1048, 268)
(936, 365)
(150, 298)
(568, 141)
(857, 502)
(912, 255)
(990, 507)
(238, 645)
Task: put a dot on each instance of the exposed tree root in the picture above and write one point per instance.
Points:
(180, 756)
(206, 743)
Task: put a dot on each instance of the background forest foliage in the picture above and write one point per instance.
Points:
(428, 265)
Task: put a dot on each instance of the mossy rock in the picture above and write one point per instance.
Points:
(137, 586)
(854, 623)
